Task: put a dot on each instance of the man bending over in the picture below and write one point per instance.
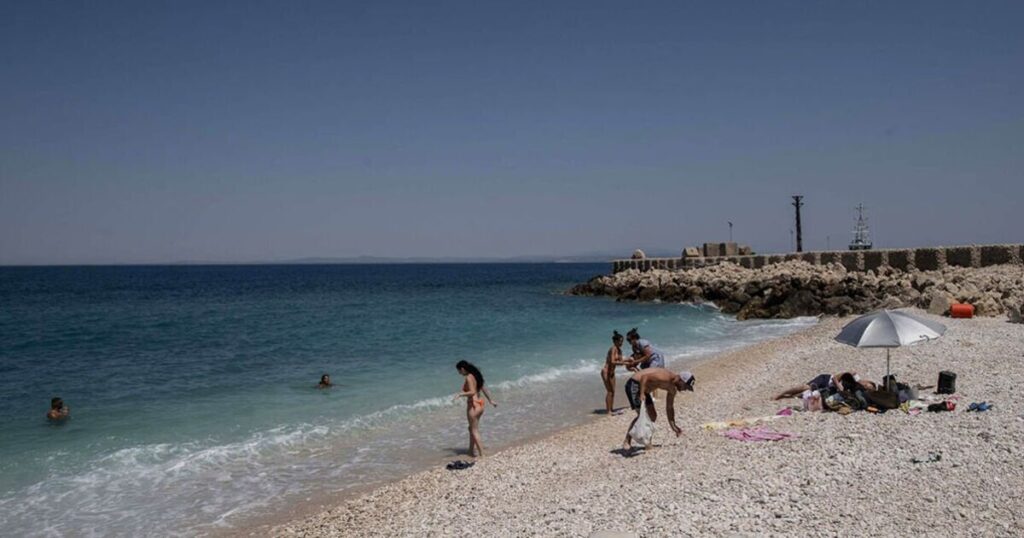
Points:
(639, 388)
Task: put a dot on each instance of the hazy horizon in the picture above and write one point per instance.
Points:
(262, 131)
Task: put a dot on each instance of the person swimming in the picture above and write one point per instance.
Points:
(612, 360)
(58, 411)
(325, 382)
(472, 388)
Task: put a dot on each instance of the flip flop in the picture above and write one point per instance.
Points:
(459, 465)
(932, 457)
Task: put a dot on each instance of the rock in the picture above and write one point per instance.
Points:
(797, 288)
(988, 306)
(1014, 314)
(939, 303)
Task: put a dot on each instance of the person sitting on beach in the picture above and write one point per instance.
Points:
(823, 383)
(640, 386)
(612, 360)
(472, 388)
(325, 382)
(645, 355)
(58, 411)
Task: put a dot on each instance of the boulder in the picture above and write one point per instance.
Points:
(988, 306)
(939, 303)
(1014, 314)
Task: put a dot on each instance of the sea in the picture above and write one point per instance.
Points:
(192, 389)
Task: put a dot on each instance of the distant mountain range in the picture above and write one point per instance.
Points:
(577, 258)
(593, 257)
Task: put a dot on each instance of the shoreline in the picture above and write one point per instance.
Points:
(586, 412)
(564, 483)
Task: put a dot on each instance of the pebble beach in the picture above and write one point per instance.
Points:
(861, 473)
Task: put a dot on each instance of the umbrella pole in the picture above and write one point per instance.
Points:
(886, 367)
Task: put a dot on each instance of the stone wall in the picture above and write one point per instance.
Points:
(925, 259)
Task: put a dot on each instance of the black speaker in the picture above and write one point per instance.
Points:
(947, 382)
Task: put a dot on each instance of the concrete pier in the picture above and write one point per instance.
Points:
(924, 259)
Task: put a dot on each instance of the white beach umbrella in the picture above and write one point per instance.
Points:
(889, 329)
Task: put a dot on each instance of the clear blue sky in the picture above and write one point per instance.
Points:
(149, 132)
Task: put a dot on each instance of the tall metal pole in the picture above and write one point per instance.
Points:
(798, 203)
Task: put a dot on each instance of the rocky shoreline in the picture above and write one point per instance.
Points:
(797, 288)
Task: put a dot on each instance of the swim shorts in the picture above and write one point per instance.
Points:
(820, 382)
(633, 395)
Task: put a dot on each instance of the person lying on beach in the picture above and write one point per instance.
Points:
(824, 383)
(58, 411)
(472, 388)
(645, 355)
(612, 360)
(641, 384)
(325, 382)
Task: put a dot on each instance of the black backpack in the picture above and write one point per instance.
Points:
(947, 382)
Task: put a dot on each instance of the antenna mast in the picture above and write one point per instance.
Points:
(861, 233)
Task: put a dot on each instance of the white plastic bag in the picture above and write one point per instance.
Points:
(642, 431)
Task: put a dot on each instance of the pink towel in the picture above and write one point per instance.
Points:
(759, 433)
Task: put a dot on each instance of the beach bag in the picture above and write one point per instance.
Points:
(883, 399)
(643, 429)
(834, 402)
(947, 382)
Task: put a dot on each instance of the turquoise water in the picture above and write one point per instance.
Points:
(192, 388)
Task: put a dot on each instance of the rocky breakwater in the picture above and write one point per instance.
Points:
(797, 288)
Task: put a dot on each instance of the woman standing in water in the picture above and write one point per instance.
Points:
(611, 361)
(472, 388)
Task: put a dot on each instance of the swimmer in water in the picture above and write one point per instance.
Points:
(325, 382)
(612, 360)
(472, 388)
(58, 411)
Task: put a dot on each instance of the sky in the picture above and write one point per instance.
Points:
(149, 132)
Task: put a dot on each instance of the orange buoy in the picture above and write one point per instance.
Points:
(961, 310)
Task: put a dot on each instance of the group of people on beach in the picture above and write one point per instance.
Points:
(649, 374)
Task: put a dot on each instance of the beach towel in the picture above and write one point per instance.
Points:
(642, 431)
(760, 433)
(738, 423)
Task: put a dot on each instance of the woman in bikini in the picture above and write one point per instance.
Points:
(472, 388)
(612, 360)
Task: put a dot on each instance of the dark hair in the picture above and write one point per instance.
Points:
(474, 371)
(632, 333)
(848, 382)
(616, 337)
(324, 377)
(56, 403)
